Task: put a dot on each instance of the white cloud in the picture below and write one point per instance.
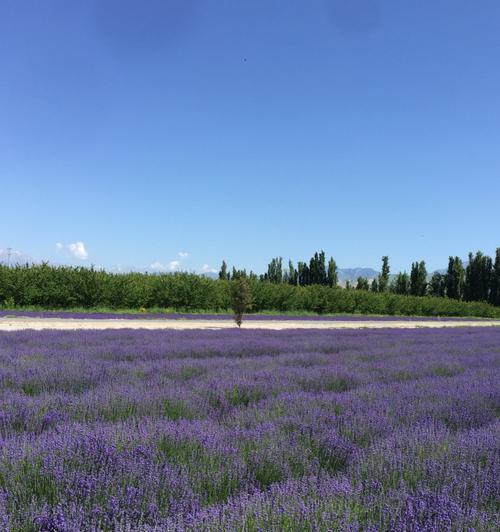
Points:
(206, 269)
(174, 265)
(59, 245)
(78, 250)
(183, 254)
(157, 266)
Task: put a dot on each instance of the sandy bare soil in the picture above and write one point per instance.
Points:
(10, 323)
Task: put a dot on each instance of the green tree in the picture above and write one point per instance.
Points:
(383, 278)
(332, 274)
(292, 274)
(362, 284)
(418, 279)
(303, 274)
(455, 278)
(322, 274)
(317, 269)
(478, 277)
(437, 285)
(401, 284)
(67, 287)
(374, 286)
(241, 298)
(495, 281)
(223, 275)
(275, 270)
(313, 269)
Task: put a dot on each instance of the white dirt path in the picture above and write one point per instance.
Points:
(10, 323)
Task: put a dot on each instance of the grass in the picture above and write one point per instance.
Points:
(222, 312)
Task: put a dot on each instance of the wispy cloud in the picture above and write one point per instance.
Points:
(174, 265)
(207, 269)
(59, 245)
(183, 254)
(78, 250)
(158, 266)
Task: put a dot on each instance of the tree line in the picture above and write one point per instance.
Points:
(313, 273)
(470, 290)
(479, 280)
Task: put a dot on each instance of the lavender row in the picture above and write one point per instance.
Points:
(250, 430)
(187, 316)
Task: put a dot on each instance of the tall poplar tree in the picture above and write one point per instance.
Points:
(401, 284)
(418, 279)
(437, 285)
(322, 275)
(313, 269)
(275, 270)
(332, 273)
(495, 281)
(303, 274)
(383, 278)
(455, 278)
(317, 270)
(477, 277)
(292, 273)
(223, 271)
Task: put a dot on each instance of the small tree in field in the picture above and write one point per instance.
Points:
(241, 298)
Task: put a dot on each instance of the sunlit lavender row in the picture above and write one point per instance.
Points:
(250, 430)
(198, 316)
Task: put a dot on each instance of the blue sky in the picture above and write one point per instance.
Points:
(134, 131)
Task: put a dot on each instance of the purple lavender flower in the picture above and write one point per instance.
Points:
(250, 430)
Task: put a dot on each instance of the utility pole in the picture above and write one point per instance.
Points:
(9, 251)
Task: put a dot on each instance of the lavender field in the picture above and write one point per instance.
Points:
(251, 317)
(250, 430)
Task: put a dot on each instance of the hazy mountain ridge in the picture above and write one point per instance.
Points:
(352, 274)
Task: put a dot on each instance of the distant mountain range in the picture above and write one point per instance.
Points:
(352, 274)
(210, 275)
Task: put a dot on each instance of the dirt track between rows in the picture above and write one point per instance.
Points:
(20, 323)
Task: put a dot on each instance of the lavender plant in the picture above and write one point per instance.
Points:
(250, 430)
